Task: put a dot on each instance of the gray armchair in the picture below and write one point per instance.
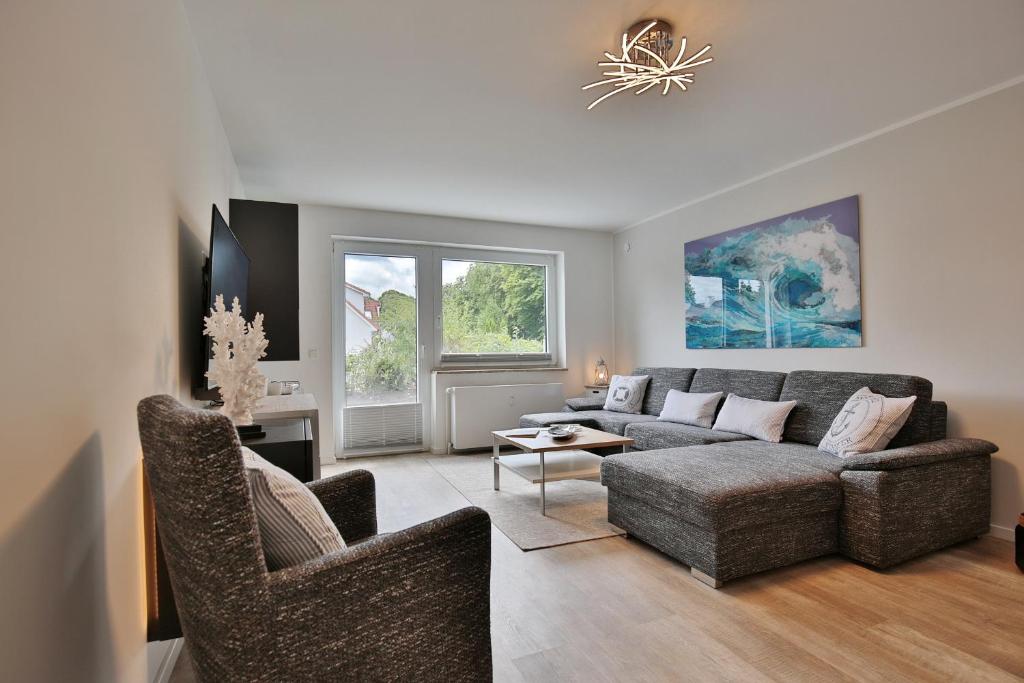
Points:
(412, 605)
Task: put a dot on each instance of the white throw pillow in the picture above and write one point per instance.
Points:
(762, 420)
(690, 409)
(866, 424)
(626, 393)
(294, 527)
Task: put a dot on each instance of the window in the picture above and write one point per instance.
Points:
(494, 307)
(401, 310)
(380, 329)
(493, 311)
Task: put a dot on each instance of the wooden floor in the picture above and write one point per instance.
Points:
(616, 610)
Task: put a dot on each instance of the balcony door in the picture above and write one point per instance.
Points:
(382, 329)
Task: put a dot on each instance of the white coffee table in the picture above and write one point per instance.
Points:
(544, 459)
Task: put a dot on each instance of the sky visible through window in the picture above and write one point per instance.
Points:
(377, 274)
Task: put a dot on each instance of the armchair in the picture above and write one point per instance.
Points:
(412, 605)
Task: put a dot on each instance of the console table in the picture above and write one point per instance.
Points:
(291, 406)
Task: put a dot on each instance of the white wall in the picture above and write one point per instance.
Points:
(587, 291)
(941, 248)
(113, 152)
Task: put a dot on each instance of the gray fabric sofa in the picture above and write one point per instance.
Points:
(728, 506)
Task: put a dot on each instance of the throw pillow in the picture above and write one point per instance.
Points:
(690, 409)
(294, 527)
(626, 393)
(866, 424)
(762, 420)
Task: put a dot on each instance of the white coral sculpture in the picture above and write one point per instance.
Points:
(237, 345)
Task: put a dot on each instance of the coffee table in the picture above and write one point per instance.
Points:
(544, 459)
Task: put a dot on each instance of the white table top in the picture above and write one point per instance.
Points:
(292, 405)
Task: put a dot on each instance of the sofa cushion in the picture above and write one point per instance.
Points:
(937, 430)
(762, 420)
(294, 527)
(788, 453)
(653, 435)
(579, 417)
(720, 487)
(663, 379)
(689, 408)
(605, 420)
(763, 386)
(866, 424)
(585, 403)
(626, 393)
(821, 395)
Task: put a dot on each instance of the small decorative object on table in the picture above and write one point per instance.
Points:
(237, 345)
(601, 373)
(563, 432)
(285, 387)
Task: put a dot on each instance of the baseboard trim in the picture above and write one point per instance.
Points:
(163, 673)
(1000, 532)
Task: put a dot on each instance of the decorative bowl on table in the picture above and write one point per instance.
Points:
(563, 432)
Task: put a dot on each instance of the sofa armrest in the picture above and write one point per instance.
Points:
(920, 454)
(350, 501)
(410, 605)
(585, 403)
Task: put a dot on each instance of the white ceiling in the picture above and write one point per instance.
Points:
(473, 107)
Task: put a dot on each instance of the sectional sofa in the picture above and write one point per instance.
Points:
(727, 505)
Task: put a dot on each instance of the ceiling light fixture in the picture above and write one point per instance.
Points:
(644, 64)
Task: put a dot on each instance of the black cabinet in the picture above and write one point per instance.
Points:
(269, 233)
(288, 444)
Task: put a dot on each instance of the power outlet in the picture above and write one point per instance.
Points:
(313, 354)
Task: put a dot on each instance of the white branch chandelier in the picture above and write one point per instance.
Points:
(644, 64)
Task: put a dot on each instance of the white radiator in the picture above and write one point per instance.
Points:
(382, 426)
(474, 412)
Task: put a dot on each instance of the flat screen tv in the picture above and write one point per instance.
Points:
(226, 272)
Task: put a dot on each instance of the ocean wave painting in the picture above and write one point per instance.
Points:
(787, 282)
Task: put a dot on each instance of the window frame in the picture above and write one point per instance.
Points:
(549, 261)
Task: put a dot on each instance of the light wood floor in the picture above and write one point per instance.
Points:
(616, 610)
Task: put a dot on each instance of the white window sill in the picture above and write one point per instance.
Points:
(467, 371)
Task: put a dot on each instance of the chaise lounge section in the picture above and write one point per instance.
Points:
(728, 505)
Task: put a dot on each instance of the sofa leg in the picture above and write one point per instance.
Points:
(704, 578)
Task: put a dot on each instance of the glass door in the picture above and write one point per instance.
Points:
(381, 392)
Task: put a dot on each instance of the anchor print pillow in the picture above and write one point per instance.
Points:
(866, 424)
(626, 393)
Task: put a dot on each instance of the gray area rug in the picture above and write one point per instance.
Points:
(577, 510)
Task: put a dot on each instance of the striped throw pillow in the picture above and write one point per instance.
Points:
(294, 527)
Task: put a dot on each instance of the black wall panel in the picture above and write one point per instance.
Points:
(269, 233)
